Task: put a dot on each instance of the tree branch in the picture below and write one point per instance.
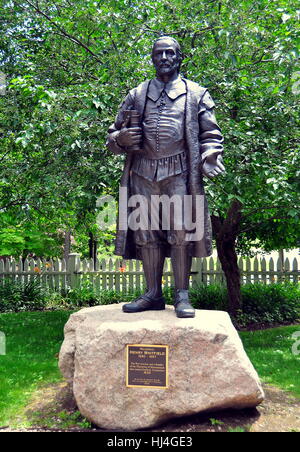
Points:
(229, 228)
(114, 45)
(13, 203)
(251, 212)
(256, 225)
(64, 32)
(4, 155)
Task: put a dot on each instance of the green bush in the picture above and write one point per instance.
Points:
(273, 303)
(209, 297)
(86, 295)
(18, 296)
(261, 304)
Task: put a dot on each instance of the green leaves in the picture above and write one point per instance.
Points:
(69, 66)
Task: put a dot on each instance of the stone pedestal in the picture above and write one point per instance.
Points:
(208, 367)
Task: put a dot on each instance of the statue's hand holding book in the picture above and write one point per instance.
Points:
(130, 135)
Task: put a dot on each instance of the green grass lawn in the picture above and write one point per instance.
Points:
(270, 351)
(34, 339)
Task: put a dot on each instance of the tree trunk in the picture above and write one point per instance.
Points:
(229, 262)
(67, 245)
(95, 252)
(93, 245)
(226, 232)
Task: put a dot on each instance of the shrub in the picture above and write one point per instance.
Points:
(16, 296)
(273, 303)
(261, 304)
(209, 297)
(86, 295)
(81, 296)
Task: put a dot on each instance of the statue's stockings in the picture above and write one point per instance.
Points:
(153, 263)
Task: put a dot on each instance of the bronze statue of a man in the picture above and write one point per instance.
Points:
(173, 140)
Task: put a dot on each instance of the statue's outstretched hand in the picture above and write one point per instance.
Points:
(213, 166)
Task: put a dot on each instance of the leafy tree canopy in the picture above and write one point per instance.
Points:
(69, 63)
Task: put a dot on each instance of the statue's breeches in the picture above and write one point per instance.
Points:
(161, 207)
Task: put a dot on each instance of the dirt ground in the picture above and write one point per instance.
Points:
(280, 412)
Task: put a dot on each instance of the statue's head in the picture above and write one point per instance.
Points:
(166, 56)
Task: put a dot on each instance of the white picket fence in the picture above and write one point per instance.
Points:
(124, 276)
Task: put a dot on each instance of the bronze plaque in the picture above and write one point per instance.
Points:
(147, 366)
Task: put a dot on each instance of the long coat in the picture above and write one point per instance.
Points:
(124, 245)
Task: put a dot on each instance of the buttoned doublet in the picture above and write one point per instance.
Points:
(162, 166)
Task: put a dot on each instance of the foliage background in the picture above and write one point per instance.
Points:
(68, 64)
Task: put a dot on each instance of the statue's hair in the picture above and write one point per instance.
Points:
(177, 45)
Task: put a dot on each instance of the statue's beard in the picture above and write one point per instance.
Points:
(167, 69)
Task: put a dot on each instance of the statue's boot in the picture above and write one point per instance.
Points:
(181, 263)
(153, 263)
